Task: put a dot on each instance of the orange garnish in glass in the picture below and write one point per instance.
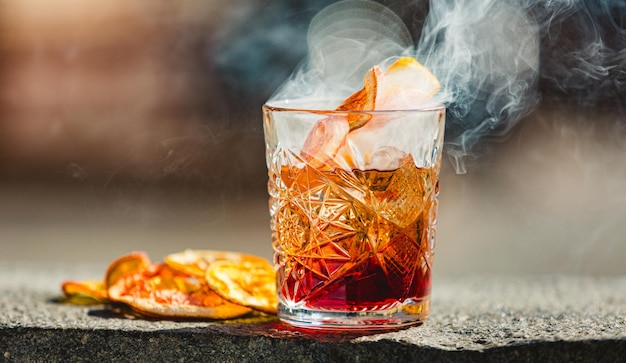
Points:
(363, 100)
(406, 84)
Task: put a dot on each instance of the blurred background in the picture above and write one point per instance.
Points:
(137, 126)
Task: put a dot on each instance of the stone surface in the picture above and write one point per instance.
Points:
(476, 318)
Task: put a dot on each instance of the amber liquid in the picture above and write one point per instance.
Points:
(359, 240)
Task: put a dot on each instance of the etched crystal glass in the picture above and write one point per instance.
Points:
(353, 216)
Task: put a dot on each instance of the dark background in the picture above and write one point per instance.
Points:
(137, 126)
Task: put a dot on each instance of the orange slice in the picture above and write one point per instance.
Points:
(406, 84)
(248, 283)
(363, 100)
(163, 292)
(125, 265)
(85, 292)
(196, 262)
(327, 136)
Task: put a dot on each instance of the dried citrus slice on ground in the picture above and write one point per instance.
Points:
(248, 283)
(85, 292)
(81, 292)
(125, 265)
(196, 262)
(161, 291)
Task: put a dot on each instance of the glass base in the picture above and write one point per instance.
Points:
(410, 312)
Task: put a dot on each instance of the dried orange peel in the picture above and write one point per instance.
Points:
(406, 84)
(161, 291)
(196, 262)
(248, 283)
(125, 265)
(177, 288)
(363, 100)
(84, 292)
(96, 290)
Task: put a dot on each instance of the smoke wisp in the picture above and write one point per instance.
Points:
(583, 56)
(496, 59)
(487, 64)
(344, 41)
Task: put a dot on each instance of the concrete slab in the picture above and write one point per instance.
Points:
(473, 318)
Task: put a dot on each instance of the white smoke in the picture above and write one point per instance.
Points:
(583, 43)
(486, 56)
(344, 40)
(485, 53)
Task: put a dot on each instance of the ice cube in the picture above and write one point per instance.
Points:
(323, 141)
(393, 134)
(384, 158)
(367, 152)
(406, 195)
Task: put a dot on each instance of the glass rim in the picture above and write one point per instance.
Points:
(277, 106)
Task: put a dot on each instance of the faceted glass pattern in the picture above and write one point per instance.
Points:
(351, 241)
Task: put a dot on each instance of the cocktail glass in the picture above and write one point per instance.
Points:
(353, 213)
